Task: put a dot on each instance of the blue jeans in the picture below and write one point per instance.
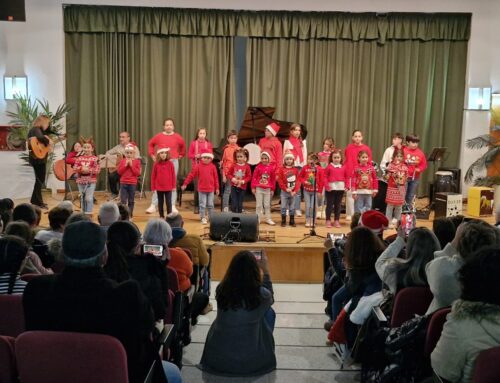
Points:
(206, 203)
(270, 318)
(309, 200)
(411, 191)
(237, 195)
(338, 301)
(127, 194)
(287, 202)
(154, 198)
(362, 203)
(172, 372)
(87, 197)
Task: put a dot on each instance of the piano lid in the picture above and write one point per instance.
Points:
(254, 124)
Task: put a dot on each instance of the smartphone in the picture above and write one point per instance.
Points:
(335, 236)
(257, 254)
(156, 250)
(408, 222)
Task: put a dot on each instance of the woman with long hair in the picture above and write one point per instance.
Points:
(13, 251)
(240, 342)
(397, 272)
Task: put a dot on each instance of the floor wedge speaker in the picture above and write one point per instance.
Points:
(234, 226)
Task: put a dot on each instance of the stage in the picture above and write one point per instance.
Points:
(289, 261)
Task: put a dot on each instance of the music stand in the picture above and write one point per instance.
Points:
(436, 155)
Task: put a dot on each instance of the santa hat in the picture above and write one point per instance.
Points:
(274, 128)
(374, 220)
(130, 147)
(265, 154)
(209, 155)
(162, 150)
(288, 154)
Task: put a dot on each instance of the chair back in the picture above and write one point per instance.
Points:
(8, 372)
(12, 315)
(434, 329)
(29, 276)
(487, 368)
(61, 357)
(409, 302)
(173, 280)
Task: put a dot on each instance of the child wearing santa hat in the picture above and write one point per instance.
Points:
(129, 170)
(289, 181)
(163, 179)
(271, 144)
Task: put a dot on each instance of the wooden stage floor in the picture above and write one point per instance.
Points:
(289, 261)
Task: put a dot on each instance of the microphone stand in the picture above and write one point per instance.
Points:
(312, 232)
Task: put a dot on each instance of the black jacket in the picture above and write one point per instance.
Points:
(85, 300)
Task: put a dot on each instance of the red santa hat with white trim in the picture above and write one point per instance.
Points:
(274, 128)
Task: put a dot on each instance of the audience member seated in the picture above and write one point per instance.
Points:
(445, 229)
(6, 209)
(375, 221)
(124, 212)
(396, 272)
(13, 251)
(240, 341)
(193, 242)
(66, 204)
(83, 299)
(57, 219)
(77, 217)
(25, 212)
(33, 263)
(127, 260)
(108, 214)
(362, 290)
(474, 322)
(442, 271)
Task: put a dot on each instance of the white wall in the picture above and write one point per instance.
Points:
(36, 47)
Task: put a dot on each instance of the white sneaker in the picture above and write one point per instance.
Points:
(151, 209)
(226, 209)
(270, 222)
(298, 213)
(204, 221)
(174, 210)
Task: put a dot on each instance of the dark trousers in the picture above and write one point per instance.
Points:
(127, 194)
(40, 168)
(167, 197)
(114, 182)
(237, 195)
(333, 202)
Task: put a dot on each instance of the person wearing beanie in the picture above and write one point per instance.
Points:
(289, 182)
(129, 170)
(272, 145)
(263, 184)
(83, 299)
(208, 184)
(375, 221)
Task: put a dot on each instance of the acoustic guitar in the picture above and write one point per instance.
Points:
(40, 150)
(59, 172)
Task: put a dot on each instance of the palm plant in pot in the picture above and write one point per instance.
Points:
(21, 118)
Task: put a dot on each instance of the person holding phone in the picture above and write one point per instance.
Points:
(240, 341)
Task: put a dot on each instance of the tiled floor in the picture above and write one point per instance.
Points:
(299, 336)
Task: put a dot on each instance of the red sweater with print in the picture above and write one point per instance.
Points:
(173, 141)
(351, 157)
(208, 178)
(364, 179)
(240, 172)
(335, 174)
(273, 146)
(312, 178)
(163, 176)
(416, 162)
(264, 177)
(129, 174)
(289, 178)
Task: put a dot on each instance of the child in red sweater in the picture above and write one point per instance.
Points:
(271, 144)
(198, 146)
(163, 179)
(417, 163)
(208, 184)
(263, 184)
(397, 173)
(289, 181)
(226, 163)
(311, 177)
(129, 170)
(324, 160)
(335, 185)
(240, 175)
(87, 168)
(364, 183)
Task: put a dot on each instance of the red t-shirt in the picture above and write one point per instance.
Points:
(173, 141)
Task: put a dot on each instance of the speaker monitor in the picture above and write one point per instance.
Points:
(12, 10)
(238, 227)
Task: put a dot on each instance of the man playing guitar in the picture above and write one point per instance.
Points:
(39, 131)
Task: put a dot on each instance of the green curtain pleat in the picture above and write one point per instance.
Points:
(118, 82)
(336, 86)
(270, 24)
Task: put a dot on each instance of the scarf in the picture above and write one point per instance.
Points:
(297, 148)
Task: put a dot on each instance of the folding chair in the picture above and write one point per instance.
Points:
(142, 179)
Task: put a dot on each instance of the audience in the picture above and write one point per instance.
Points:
(127, 260)
(108, 214)
(374, 220)
(396, 272)
(442, 270)
(27, 213)
(77, 217)
(124, 212)
(6, 210)
(57, 219)
(445, 229)
(13, 251)
(474, 322)
(240, 341)
(83, 299)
